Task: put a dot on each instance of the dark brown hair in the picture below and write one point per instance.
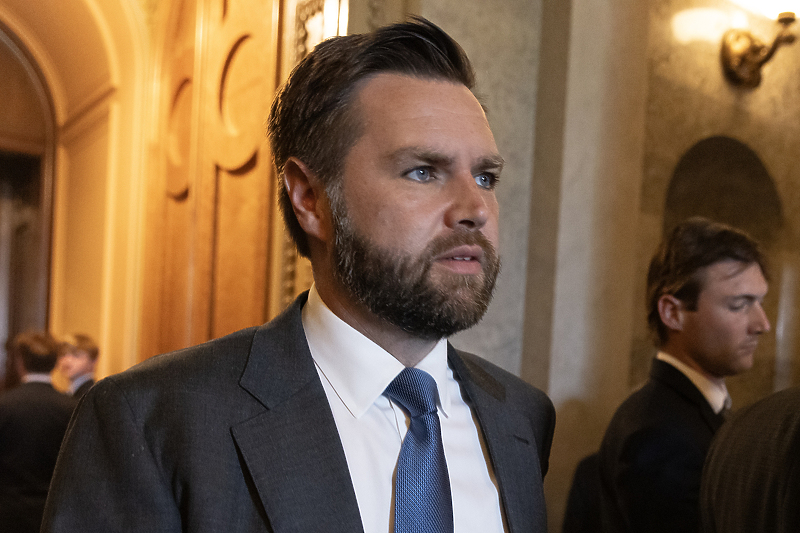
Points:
(312, 116)
(678, 266)
(37, 350)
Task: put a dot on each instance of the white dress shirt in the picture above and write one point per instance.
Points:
(715, 392)
(37, 377)
(354, 373)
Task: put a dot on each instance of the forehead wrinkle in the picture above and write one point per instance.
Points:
(435, 157)
(426, 155)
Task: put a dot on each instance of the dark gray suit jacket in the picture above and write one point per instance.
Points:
(236, 435)
(33, 420)
(751, 480)
(652, 454)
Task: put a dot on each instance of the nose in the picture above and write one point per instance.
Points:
(760, 322)
(469, 205)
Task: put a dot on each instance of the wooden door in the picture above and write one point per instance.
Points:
(212, 196)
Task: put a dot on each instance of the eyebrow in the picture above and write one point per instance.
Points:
(434, 157)
(747, 297)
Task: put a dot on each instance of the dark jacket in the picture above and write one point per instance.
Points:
(751, 480)
(33, 420)
(237, 435)
(652, 454)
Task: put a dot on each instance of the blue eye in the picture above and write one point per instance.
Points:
(420, 174)
(486, 181)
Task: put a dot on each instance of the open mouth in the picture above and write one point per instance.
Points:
(466, 259)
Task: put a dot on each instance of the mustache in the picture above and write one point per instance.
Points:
(444, 243)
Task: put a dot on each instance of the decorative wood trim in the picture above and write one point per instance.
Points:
(304, 13)
(100, 98)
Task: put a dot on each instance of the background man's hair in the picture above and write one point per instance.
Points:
(80, 342)
(37, 350)
(312, 117)
(678, 266)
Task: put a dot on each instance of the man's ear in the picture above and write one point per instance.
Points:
(307, 195)
(671, 311)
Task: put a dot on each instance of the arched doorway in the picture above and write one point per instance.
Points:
(92, 57)
(26, 191)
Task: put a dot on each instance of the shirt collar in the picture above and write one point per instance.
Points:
(358, 369)
(36, 377)
(715, 392)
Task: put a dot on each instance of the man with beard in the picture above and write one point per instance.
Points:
(705, 288)
(349, 412)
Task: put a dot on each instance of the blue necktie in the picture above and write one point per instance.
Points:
(423, 503)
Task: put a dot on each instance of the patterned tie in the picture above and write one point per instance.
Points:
(423, 503)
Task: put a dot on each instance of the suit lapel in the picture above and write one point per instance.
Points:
(292, 450)
(510, 441)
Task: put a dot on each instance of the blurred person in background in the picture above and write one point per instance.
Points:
(76, 361)
(705, 288)
(33, 421)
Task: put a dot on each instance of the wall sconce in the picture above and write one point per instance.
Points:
(743, 54)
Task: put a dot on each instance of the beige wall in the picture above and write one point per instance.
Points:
(597, 220)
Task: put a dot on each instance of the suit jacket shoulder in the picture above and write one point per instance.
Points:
(652, 455)
(232, 435)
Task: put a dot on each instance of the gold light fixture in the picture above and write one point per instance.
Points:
(743, 54)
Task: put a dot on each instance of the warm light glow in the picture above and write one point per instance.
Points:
(701, 24)
(331, 11)
(769, 8)
(344, 8)
(739, 20)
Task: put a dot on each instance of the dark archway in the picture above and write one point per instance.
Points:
(723, 179)
(27, 151)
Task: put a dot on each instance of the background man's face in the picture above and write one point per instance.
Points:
(722, 334)
(417, 224)
(75, 363)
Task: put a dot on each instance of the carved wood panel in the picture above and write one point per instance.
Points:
(209, 228)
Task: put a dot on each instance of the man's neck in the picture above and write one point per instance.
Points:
(681, 355)
(406, 348)
(713, 389)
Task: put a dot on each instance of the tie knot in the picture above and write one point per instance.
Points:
(415, 390)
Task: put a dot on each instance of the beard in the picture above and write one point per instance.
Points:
(400, 289)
